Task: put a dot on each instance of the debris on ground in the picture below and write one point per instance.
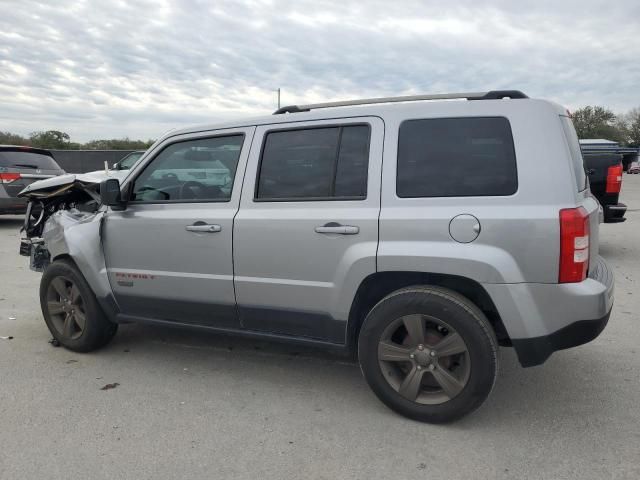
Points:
(12, 318)
(109, 386)
(6, 338)
(54, 342)
(72, 361)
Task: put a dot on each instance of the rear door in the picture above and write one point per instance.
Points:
(307, 230)
(169, 254)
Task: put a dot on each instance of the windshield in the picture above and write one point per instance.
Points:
(129, 161)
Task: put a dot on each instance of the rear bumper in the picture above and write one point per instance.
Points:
(13, 205)
(543, 318)
(614, 213)
(535, 351)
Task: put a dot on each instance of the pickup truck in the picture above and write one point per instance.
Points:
(605, 178)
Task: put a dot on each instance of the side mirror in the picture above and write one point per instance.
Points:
(115, 166)
(110, 194)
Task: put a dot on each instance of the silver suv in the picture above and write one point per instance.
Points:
(421, 233)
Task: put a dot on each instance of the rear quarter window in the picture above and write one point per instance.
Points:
(577, 160)
(456, 157)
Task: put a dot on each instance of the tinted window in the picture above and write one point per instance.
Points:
(576, 153)
(315, 163)
(353, 162)
(456, 157)
(30, 160)
(195, 170)
(129, 161)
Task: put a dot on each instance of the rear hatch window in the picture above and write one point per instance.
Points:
(576, 153)
(26, 160)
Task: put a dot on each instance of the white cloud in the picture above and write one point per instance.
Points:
(137, 68)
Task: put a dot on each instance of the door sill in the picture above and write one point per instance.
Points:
(275, 337)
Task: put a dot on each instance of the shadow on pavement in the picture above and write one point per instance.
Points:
(549, 393)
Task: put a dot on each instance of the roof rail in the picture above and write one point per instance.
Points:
(491, 95)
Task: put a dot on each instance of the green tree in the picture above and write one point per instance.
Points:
(118, 144)
(633, 125)
(53, 139)
(8, 138)
(598, 122)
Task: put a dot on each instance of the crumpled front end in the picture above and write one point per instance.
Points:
(63, 219)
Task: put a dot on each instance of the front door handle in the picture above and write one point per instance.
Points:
(333, 227)
(203, 228)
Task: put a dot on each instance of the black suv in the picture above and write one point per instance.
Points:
(20, 166)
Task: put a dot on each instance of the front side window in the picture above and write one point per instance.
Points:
(315, 163)
(456, 157)
(193, 170)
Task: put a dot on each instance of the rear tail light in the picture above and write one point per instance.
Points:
(9, 177)
(614, 179)
(574, 245)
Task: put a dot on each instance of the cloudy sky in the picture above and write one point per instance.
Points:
(136, 68)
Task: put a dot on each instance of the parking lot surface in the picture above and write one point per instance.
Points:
(194, 405)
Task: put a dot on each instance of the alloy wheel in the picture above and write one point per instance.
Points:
(424, 359)
(66, 307)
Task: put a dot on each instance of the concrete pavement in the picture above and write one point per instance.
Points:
(193, 405)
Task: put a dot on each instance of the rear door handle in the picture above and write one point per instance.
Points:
(333, 227)
(203, 228)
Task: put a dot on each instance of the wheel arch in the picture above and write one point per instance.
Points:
(380, 284)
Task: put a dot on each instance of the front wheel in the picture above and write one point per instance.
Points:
(71, 311)
(428, 353)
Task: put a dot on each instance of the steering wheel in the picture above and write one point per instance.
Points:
(170, 176)
(186, 187)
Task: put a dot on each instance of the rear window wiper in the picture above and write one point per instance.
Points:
(25, 165)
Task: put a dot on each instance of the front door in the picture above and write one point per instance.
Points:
(169, 253)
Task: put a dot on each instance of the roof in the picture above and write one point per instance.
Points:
(379, 107)
(17, 148)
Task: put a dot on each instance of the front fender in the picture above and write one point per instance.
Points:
(77, 235)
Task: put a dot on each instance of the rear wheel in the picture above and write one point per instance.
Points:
(428, 353)
(71, 310)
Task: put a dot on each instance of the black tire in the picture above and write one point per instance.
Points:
(435, 306)
(95, 330)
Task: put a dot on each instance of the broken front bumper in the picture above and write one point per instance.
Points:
(39, 257)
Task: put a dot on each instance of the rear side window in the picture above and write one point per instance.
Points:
(576, 153)
(27, 160)
(456, 157)
(315, 163)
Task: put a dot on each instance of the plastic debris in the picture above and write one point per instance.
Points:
(6, 338)
(109, 386)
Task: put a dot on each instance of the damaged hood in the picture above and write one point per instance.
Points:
(63, 184)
